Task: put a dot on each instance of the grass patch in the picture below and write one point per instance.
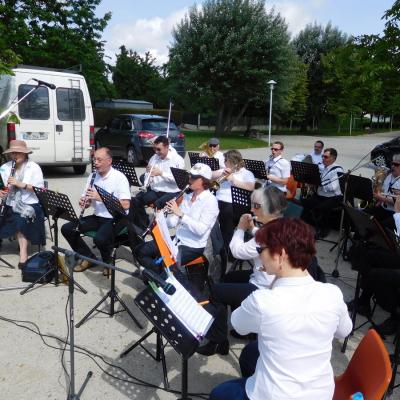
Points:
(235, 141)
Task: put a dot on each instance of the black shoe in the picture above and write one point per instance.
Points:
(362, 309)
(21, 265)
(212, 348)
(388, 327)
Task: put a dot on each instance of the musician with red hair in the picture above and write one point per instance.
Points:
(296, 320)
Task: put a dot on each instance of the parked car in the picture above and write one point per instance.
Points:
(131, 136)
(382, 154)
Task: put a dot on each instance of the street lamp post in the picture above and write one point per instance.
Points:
(271, 84)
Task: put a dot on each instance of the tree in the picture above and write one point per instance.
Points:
(311, 44)
(57, 34)
(137, 77)
(226, 52)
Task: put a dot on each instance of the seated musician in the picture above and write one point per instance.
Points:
(380, 276)
(319, 206)
(383, 212)
(22, 214)
(316, 155)
(214, 152)
(161, 183)
(112, 181)
(234, 174)
(296, 320)
(277, 167)
(193, 221)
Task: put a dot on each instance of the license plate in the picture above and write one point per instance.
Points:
(35, 135)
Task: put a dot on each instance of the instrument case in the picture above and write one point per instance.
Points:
(37, 265)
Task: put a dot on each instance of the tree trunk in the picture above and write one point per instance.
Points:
(219, 126)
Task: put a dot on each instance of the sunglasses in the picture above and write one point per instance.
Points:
(395, 164)
(260, 249)
(212, 145)
(275, 149)
(256, 206)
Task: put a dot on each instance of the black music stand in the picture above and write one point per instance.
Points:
(128, 169)
(58, 206)
(167, 325)
(306, 173)
(193, 157)
(114, 207)
(181, 177)
(257, 167)
(213, 163)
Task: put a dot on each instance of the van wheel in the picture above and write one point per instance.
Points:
(79, 169)
(132, 157)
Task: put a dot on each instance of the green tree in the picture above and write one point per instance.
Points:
(311, 44)
(225, 53)
(137, 77)
(57, 34)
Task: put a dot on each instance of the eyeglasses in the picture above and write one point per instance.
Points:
(212, 145)
(275, 149)
(256, 206)
(158, 149)
(395, 164)
(98, 159)
(260, 249)
(326, 156)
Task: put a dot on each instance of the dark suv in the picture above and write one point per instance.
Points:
(382, 154)
(131, 136)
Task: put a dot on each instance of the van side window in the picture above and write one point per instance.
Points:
(70, 104)
(36, 104)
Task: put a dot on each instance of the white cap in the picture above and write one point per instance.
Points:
(200, 169)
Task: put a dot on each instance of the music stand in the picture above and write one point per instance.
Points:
(257, 167)
(58, 206)
(181, 177)
(167, 325)
(128, 169)
(306, 173)
(115, 208)
(213, 163)
(193, 157)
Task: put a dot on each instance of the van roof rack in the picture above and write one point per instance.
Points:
(75, 69)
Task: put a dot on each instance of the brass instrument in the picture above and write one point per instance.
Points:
(206, 149)
(379, 177)
(215, 185)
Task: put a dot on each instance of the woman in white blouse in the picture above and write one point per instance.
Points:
(296, 321)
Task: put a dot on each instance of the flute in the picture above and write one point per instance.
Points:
(93, 177)
(4, 200)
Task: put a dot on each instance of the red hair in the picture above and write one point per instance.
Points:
(291, 234)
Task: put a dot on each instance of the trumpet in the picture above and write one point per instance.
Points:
(93, 177)
(215, 185)
(4, 200)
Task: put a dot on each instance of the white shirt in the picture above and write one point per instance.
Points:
(390, 182)
(316, 158)
(396, 217)
(199, 217)
(219, 155)
(280, 168)
(166, 182)
(247, 251)
(330, 183)
(32, 175)
(224, 191)
(296, 321)
(114, 182)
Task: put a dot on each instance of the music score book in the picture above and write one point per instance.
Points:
(190, 313)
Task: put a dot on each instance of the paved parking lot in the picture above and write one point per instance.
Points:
(31, 370)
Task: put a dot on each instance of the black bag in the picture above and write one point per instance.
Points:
(37, 265)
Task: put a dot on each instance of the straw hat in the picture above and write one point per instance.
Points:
(18, 146)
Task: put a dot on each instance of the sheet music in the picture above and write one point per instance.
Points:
(162, 224)
(192, 315)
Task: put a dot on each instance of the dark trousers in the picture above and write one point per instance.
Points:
(248, 359)
(231, 292)
(103, 240)
(148, 256)
(318, 208)
(226, 222)
(234, 389)
(137, 211)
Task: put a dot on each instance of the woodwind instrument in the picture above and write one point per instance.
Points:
(94, 173)
(147, 180)
(4, 200)
(180, 194)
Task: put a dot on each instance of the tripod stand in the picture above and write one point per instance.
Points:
(58, 206)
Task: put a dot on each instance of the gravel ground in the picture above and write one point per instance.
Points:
(31, 370)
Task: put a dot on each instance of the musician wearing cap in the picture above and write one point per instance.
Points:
(329, 195)
(384, 210)
(193, 221)
(101, 221)
(214, 151)
(160, 185)
(277, 167)
(22, 214)
(295, 320)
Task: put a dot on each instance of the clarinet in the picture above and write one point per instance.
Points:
(4, 200)
(180, 194)
(94, 173)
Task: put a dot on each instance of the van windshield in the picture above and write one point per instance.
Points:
(157, 125)
(36, 104)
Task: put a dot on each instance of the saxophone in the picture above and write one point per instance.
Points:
(379, 177)
(206, 150)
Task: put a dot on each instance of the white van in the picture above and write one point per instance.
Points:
(57, 124)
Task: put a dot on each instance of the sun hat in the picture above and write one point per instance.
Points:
(18, 146)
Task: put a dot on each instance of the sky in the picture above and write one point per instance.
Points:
(146, 25)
